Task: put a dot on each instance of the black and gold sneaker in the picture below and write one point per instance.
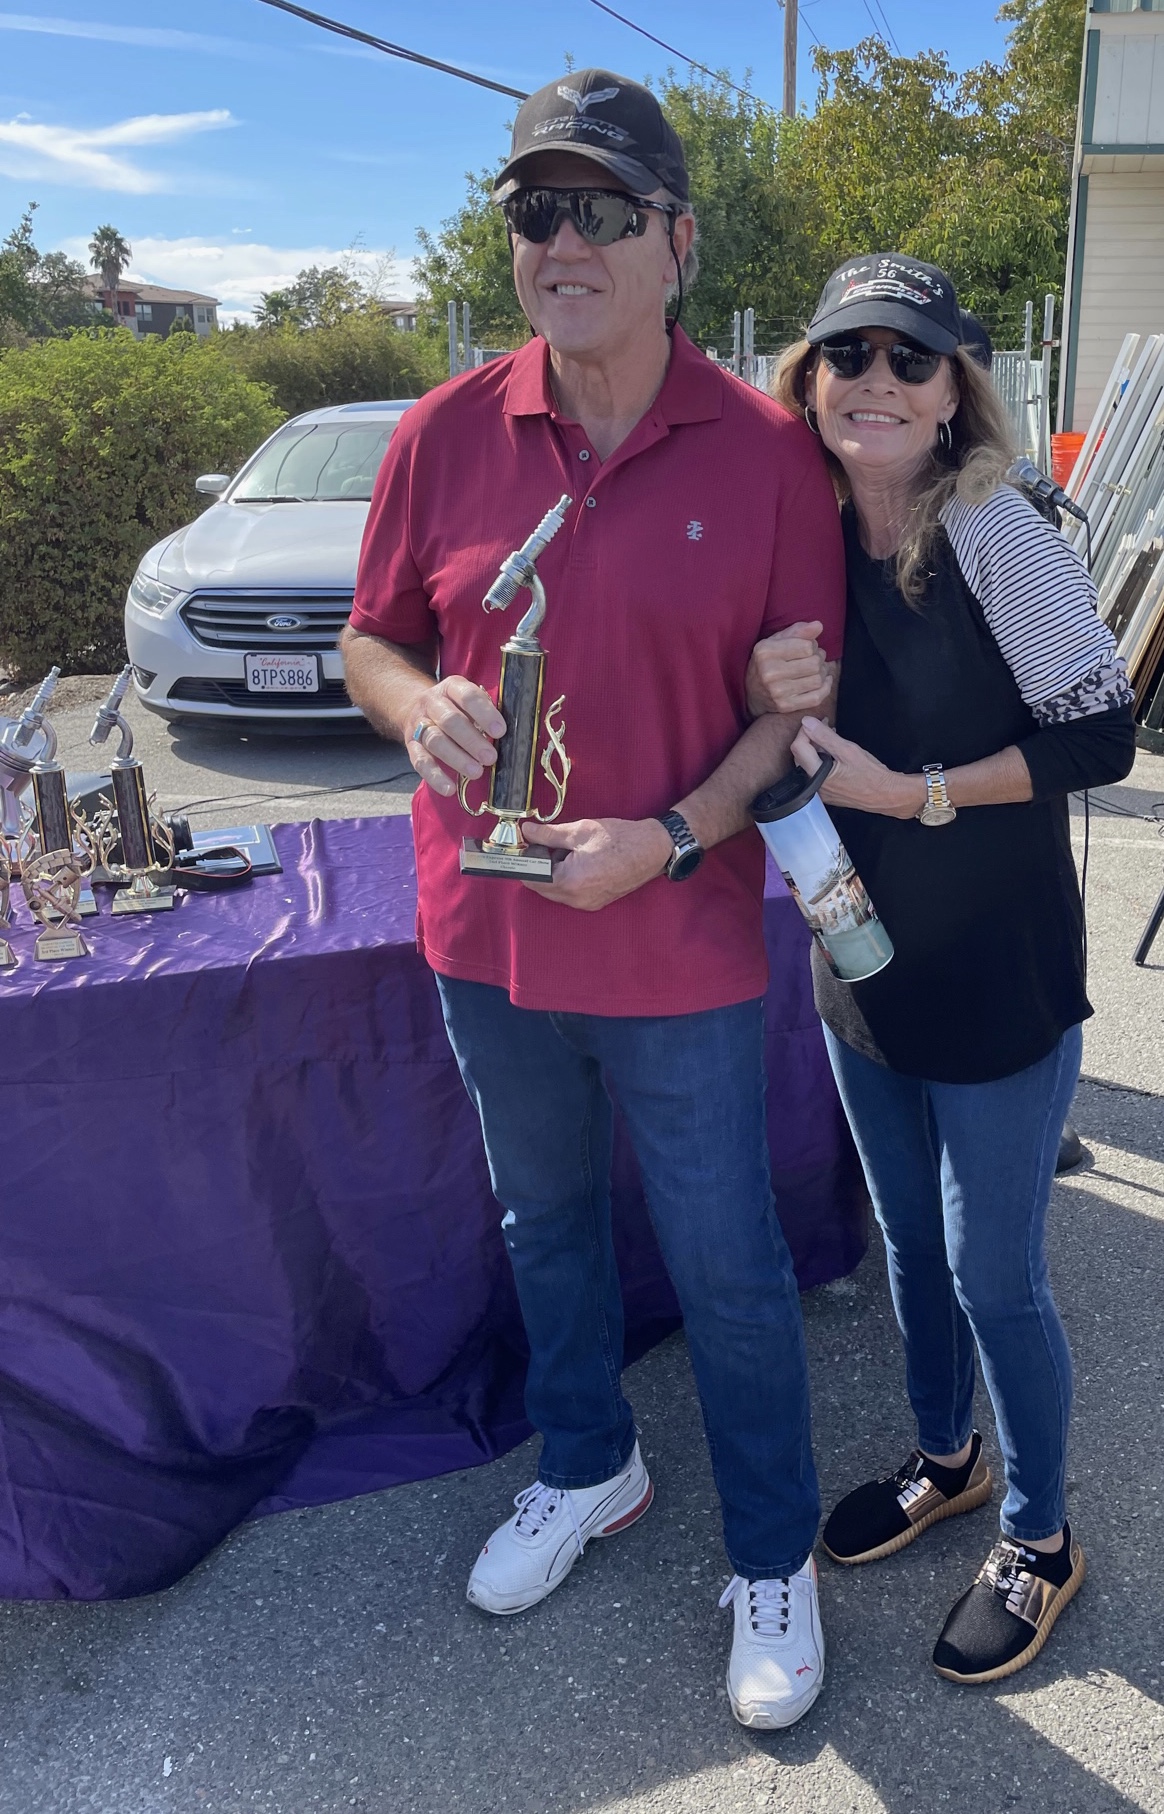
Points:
(1002, 1622)
(883, 1516)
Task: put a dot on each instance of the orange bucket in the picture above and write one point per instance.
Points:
(1064, 453)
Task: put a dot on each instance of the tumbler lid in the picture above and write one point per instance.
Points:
(791, 792)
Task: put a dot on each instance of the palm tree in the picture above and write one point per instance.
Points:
(109, 254)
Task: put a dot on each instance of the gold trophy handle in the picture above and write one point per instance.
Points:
(555, 764)
(474, 812)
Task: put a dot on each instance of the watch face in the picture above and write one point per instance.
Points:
(684, 863)
(937, 815)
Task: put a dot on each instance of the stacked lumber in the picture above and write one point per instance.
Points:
(1118, 479)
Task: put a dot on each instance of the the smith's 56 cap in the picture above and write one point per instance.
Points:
(616, 123)
(887, 290)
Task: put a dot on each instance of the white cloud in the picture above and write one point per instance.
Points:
(77, 155)
(145, 37)
(238, 271)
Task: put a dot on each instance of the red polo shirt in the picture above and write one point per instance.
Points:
(713, 525)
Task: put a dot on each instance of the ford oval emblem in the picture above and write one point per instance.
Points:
(284, 623)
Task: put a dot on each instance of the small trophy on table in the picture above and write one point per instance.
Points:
(51, 881)
(519, 699)
(147, 843)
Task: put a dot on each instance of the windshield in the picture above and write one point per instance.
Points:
(321, 460)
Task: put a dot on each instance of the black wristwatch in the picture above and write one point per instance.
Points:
(688, 853)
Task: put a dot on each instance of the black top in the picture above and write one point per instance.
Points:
(984, 913)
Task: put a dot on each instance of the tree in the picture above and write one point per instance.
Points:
(40, 293)
(110, 255)
(101, 439)
(900, 153)
(319, 297)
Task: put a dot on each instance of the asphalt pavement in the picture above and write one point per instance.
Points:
(327, 1659)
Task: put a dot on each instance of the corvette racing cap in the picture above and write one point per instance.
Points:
(887, 290)
(617, 124)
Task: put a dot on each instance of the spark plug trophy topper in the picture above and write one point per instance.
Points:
(519, 698)
(147, 844)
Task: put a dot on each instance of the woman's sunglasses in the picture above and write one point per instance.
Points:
(601, 216)
(909, 364)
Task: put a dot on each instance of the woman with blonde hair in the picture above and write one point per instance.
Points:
(977, 690)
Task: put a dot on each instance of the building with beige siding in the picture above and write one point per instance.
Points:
(1115, 265)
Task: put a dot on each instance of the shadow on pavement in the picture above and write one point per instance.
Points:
(327, 1660)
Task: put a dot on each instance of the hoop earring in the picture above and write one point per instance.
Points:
(810, 418)
(945, 438)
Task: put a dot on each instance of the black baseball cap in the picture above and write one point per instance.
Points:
(976, 339)
(617, 124)
(888, 290)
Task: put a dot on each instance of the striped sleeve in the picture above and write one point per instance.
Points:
(1039, 603)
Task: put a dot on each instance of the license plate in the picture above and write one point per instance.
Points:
(282, 673)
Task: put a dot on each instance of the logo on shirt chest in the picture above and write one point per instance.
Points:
(694, 531)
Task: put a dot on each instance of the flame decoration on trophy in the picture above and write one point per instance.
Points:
(147, 843)
(519, 698)
(7, 955)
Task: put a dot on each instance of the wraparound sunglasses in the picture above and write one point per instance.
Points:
(601, 216)
(910, 364)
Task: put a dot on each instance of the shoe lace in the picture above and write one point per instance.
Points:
(769, 1603)
(1007, 1569)
(911, 1480)
(538, 1504)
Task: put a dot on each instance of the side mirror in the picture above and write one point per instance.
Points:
(213, 484)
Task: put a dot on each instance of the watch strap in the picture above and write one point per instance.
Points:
(688, 852)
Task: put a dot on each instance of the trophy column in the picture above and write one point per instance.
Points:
(505, 853)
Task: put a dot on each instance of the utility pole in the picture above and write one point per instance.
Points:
(791, 20)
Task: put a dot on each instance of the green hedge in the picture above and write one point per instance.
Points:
(101, 439)
(360, 358)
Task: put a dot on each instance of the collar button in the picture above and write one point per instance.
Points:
(590, 503)
(584, 453)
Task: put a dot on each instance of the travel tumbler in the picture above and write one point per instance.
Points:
(819, 872)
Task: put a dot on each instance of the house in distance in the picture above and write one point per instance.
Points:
(147, 308)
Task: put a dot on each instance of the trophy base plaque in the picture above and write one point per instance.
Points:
(7, 955)
(126, 901)
(87, 905)
(533, 863)
(55, 943)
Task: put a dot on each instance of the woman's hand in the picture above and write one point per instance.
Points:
(788, 673)
(858, 779)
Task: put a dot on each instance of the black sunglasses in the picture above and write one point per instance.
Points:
(601, 216)
(909, 364)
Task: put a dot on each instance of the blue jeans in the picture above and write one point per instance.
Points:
(960, 1175)
(691, 1088)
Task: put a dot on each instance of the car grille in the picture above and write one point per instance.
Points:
(239, 620)
(331, 697)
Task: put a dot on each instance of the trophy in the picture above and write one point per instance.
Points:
(519, 698)
(51, 880)
(147, 843)
(7, 955)
(24, 741)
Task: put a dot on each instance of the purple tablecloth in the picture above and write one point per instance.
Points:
(249, 1258)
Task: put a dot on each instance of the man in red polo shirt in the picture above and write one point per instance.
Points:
(702, 520)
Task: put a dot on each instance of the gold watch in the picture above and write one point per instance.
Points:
(938, 809)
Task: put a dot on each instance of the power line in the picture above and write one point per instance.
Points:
(394, 50)
(888, 27)
(690, 61)
(804, 22)
(873, 22)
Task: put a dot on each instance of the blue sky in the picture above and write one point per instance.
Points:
(232, 144)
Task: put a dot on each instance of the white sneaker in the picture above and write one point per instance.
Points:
(525, 1559)
(777, 1662)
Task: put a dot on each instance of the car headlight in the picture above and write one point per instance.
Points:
(151, 595)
